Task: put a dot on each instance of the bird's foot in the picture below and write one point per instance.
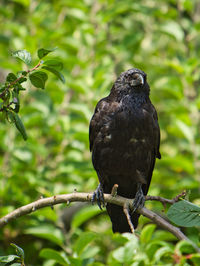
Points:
(139, 199)
(99, 197)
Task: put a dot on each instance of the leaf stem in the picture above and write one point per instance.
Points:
(18, 79)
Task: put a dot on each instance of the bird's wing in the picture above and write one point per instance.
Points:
(96, 121)
(155, 142)
(157, 133)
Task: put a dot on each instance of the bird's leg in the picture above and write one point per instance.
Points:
(98, 196)
(139, 198)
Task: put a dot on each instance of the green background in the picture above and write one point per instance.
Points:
(96, 41)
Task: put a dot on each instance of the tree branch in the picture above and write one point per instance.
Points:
(118, 200)
(164, 200)
(128, 217)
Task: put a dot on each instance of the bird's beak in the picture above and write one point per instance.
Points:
(138, 81)
(141, 79)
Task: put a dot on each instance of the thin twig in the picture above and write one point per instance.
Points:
(18, 79)
(164, 200)
(114, 190)
(182, 194)
(126, 211)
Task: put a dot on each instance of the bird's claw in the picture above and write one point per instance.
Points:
(99, 197)
(139, 199)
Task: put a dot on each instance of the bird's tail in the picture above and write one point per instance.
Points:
(119, 220)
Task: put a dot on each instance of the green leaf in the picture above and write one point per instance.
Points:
(43, 52)
(84, 239)
(154, 245)
(186, 130)
(53, 63)
(163, 251)
(126, 253)
(19, 87)
(38, 79)
(55, 72)
(184, 213)
(24, 73)
(20, 126)
(49, 253)
(11, 77)
(81, 109)
(23, 154)
(164, 235)
(195, 258)
(19, 250)
(89, 252)
(25, 3)
(14, 118)
(7, 259)
(76, 261)
(17, 264)
(173, 28)
(22, 79)
(184, 246)
(47, 232)
(84, 215)
(23, 55)
(147, 232)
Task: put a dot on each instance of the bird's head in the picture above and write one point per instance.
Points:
(132, 81)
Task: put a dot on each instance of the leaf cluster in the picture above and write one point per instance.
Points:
(10, 90)
(86, 247)
(15, 260)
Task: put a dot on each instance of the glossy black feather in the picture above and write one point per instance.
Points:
(124, 139)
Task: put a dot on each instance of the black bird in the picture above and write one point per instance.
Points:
(124, 139)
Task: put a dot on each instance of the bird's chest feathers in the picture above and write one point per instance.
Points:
(127, 125)
(130, 115)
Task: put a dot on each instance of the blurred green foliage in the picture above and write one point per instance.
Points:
(96, 40)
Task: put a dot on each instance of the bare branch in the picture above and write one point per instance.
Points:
(164, 200)
(77, 196)
(114, 190)
(163, 223)
(126, 211)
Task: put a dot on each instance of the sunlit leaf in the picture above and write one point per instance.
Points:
(147, 232)
(90, 252)
(186, 130)
(84, 215)
(19, 250)
(184, 247)
(52, 254)
(6, 259)
(174, 29)
(23, 2)
(23, 154)
(23, 55)
(126, 253)
(47, 232)
(84, 239)
(165, 251)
